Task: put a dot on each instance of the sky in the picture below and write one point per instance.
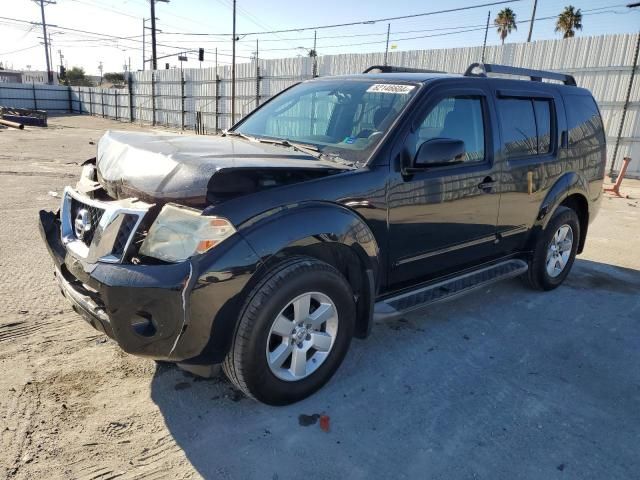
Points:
(109, 32)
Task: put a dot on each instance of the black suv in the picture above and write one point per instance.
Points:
(340, 201)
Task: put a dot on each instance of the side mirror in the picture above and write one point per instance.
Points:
(439, 152)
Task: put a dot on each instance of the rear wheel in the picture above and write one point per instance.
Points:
(554, 251)
(294, 332)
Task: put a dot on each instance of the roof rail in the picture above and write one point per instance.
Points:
(392, 69)
(534, 75)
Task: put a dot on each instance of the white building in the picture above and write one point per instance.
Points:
(30, 76)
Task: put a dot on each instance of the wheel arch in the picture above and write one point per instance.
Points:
(325, 231)
(570, 191)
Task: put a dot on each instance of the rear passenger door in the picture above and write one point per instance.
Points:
(531, 152)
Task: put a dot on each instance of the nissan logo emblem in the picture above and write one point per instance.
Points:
(82, 223)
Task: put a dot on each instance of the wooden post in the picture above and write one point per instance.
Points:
(217, 114)
(182, 98)
(35, 99)
(153, 98)
(130, 82)
(257, 86)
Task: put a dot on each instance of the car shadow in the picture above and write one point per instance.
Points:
(504, 383)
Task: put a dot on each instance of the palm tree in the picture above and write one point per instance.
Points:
(506, 22)
(569, 21)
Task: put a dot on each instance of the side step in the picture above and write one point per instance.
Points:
(407, 302)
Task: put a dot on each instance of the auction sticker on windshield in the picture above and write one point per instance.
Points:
(390, 88)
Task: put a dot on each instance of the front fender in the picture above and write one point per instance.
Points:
(228, 273)
(302, 225)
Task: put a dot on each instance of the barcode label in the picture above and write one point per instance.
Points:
(390, 88)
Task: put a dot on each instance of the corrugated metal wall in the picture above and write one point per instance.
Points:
(602, 64)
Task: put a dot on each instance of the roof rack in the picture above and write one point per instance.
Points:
(534, 75)
(392, 69)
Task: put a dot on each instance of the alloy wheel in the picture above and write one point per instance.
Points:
(302, 336)
(559, 251)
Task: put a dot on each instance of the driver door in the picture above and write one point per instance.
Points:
(443, 218)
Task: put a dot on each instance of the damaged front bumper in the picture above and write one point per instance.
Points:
(183, 312)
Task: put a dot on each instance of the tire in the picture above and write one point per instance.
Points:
(260, 341)
(539, 276)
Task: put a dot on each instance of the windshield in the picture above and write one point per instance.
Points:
(341, 117)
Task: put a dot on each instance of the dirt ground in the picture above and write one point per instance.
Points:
(504, 383)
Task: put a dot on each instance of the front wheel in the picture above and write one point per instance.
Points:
(294, 332)
(555, 251)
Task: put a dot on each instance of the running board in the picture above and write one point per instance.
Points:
(405, 303)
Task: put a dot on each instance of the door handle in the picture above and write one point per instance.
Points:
(487, 184)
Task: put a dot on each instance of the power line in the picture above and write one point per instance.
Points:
(21, 50)
(370, 22)
(97, 34)
(127, 41)
(101, 7)
(478, 28)
(367, 22)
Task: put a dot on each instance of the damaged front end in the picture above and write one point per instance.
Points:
(129, 268)
(136, 256)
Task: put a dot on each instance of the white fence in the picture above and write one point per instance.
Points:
(201, 98)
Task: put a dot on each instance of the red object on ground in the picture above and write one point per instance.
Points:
(324, 423)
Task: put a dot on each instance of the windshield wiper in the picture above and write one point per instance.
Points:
(310, 150)
(227, 133)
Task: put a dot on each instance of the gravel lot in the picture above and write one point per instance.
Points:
(504, 383)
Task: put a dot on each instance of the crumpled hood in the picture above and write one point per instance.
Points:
(167, 167)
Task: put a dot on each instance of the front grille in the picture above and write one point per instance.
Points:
(99, 242)
(125, 232)
(95, 214)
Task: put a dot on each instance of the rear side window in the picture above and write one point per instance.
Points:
(585, 125)
(526, 126)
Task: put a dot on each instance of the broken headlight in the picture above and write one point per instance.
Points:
(181, 232)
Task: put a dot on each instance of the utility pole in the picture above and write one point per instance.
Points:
(46, 38)
(315, 54)
(386, 51)
(233, 68)
(486, 30)
(533, 17)
(154, 61)
(625, 107)
(51, 56)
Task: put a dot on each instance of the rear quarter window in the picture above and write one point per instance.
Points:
(585, 124)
